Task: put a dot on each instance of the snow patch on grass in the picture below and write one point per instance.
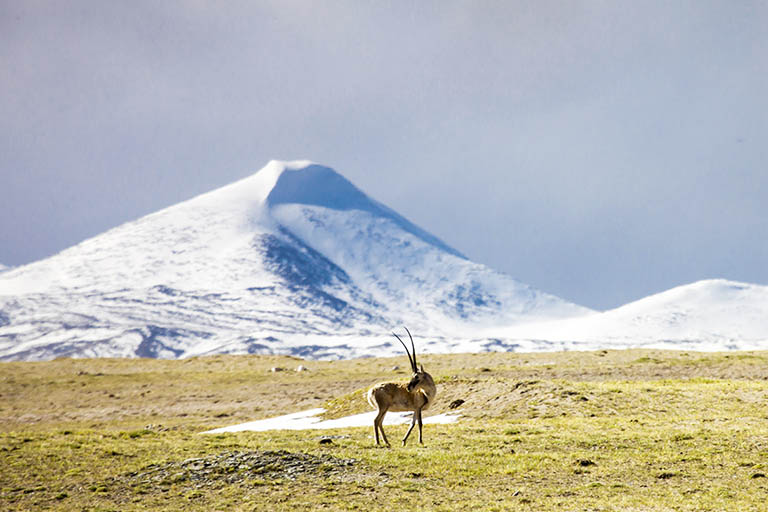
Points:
(310, 419)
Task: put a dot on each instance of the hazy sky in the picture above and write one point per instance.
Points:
(598, 150)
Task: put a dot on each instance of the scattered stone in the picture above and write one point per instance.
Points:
(585, 463)
(302, 368)
(758, 475)
(456, 403)
(276, 369)
(326, 440)
(231, 467)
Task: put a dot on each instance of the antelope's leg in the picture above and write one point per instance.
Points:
(377, 426)
(419, 413)
(413, 424)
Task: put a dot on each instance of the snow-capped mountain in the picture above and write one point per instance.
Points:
(293, 259)
(712, 314)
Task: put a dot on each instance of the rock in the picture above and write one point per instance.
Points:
(236, 467)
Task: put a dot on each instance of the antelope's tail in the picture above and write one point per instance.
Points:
(371, 400)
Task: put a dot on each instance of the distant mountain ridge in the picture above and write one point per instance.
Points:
(712, 314)
(293, 259)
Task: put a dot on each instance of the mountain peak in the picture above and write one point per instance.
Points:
(306, 183)
(293, 182)
(254, 189)
(312, 184)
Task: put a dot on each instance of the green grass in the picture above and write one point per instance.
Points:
(618, 430)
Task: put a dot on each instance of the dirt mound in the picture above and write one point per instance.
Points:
(234, 467)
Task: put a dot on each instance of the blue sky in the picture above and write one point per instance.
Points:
(598, 150)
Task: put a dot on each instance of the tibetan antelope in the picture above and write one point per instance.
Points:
(415, 396)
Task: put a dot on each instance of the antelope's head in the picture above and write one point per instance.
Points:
(420, 377)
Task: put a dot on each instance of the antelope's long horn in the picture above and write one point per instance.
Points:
(410, 359)
(413, 347)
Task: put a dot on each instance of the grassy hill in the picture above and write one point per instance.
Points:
(608, 430)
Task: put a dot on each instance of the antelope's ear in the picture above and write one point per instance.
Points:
(421, 367)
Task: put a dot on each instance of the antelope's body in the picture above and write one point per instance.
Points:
(416, 395)
(398, 397)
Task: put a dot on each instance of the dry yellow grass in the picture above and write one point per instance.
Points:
(609, 430)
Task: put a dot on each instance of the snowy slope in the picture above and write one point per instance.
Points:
(707, 315)
(293, 259)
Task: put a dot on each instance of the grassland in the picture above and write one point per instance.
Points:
(608, 430)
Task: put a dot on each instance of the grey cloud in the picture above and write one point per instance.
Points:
(598, 150)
